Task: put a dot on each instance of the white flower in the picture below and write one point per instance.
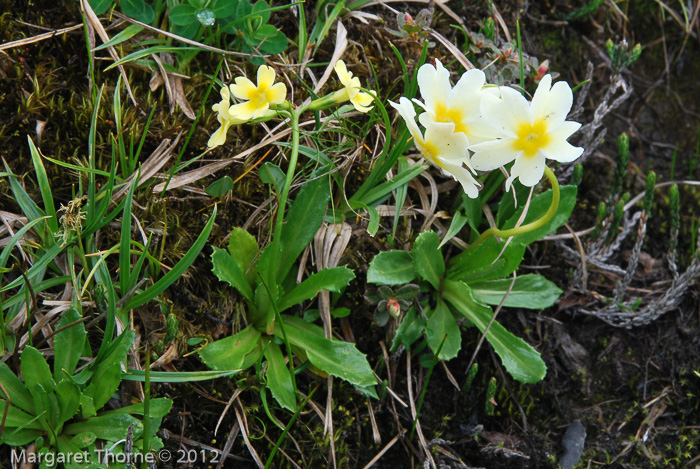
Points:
(351, 91)
(531, 132)
(259, 97)
(459, 105)
(440, 145)
(225, 119)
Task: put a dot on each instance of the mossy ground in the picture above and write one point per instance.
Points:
(635, 391)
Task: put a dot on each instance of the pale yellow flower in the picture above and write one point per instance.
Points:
(459, 105)
(259, 98)
(440, 145)
(225, 119)
(351, 91)
(530, 132)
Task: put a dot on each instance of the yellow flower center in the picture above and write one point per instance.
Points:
(532, 137)
(454, 115)
(430, 152)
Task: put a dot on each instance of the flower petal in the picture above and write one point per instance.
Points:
(406, 110)
(243, 111)
(507, 113)
(443, 142)
(467, 92)
(266, 77)
(218, 137)
(243, 88)
(434, 84)
(362, 102)
(225, 96)
(492, 154)
(276, 94)
(553, 105)
(469, 183)
(528, 169)
(342, 72)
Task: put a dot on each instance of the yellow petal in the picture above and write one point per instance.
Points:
(225, 96)
(276, 93)
(261, 110)
(361, 102)
(266, 77)
(243, 111)
(218, 137)
(342, 72)
(243, 88)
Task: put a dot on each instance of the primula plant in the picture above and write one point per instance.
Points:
(476, 127)
(264, 276)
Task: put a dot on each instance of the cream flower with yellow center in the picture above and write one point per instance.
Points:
(351, 91)
(440, 145)
(459, 105)
(260, 97)
(530, 132)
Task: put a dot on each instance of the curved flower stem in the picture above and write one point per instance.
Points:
(294, 155)
(530, 226)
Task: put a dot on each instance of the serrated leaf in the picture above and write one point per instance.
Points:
(410, 330)
(35, 370)
(427, 258)
(18, 392)
(227, 270)
(232, 353)
(487, 261)
(278, 378)
(443, 327)
(530, 291)
(335, 357)
(391, 268)
(521, 361)
(68, 344)
(333, 279)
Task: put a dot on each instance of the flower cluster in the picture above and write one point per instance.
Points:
(473, 126)
(259, 101)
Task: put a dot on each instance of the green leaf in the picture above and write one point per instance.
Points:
(275, 44)
(69, 400)
(176, 376)
(220, 187)
(227, 270)
(487, 261)
(223, 8)
(443, 327)
(18, 392)
(128, 32)
(107, 427)
(520, 360)
(410, 330)
(538, 207)
(427, 258)
(103, 384)
(44, 186)
(391, 268)
(302, 222)
(243, 248)
(458, 222)
(138, 9)
(20, 437)
(333, 279)
(17, 418)
(177, 271)
(159, 407)
(35, 370)
(530, 291)
(182, 15)
(335, 357)
(100, 6)
(270, 173)
(68, 344)
(233, 353)
(278, 378)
